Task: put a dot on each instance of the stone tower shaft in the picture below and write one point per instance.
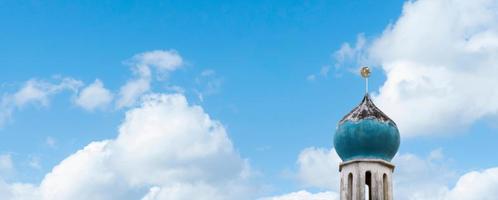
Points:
(366, 179)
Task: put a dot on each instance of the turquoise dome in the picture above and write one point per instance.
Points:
(366, 133)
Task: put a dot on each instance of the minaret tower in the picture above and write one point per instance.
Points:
(366, 140)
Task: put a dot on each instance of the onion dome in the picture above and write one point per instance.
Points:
(366, 133)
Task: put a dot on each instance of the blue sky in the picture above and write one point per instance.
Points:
(269, 71)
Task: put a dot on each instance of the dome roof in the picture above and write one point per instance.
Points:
(366, 132)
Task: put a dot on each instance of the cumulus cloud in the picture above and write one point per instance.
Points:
(34, 92)
(164, 61)
(100, 170)
(132, 90)
(166, 149)
(318, 168)
(429, 178)
(418, 178)
(142, 66)
(440, 58)
(305, 195)
(17, 191)
(471, 185)
(39, 91)
(415, 178)
(349, 56)
(476, 185)
(94, 96)
(438, 67)
(316, 163)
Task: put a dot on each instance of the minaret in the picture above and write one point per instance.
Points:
(366, 139)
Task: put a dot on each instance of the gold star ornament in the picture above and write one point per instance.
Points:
(365, 72)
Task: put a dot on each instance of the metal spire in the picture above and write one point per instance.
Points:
(365, 73)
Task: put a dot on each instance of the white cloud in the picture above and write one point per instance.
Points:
(316, 163)
(18, 191)
(470, 186)
(87, 174)
(132, 90)
(6, 164)
(430, 178)
(31, 92)
(317, 167)
(160, 59)
(440, 58)
(39, 91)
(142, 65)
(199, 191)
(94, 96)
(323, 73)
(349, 56)
(476, 185)
(415, 178)
(166, 149)
(305, 195)
(101, 171)
(36, 92)
(208, 83)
